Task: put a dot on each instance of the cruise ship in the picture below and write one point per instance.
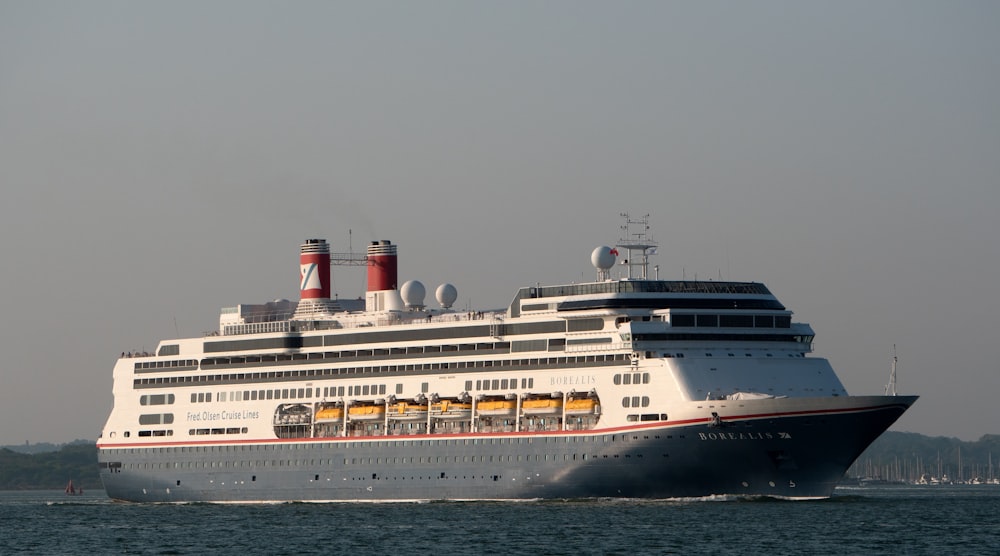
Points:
(628, 386)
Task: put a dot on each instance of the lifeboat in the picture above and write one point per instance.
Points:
(292, 414)
(496, 407)
(448, 409)
(329, 415)
(581, 406)
(407, 411)
(366, 412)
(541, 406)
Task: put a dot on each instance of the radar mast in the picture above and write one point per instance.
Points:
(635, 239)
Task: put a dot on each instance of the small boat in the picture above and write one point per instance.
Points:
(329, 415)
(72, 490)
(407, 411)
(366, 412)
(496, 407)
(448, 409)
(292, 414)
(581, 406)
(542, 406)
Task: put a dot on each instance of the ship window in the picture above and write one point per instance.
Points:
(764, 321)
(645, 378)
(618, 380)
(468, 385)
(399, 388)
(635, 401)
(636, 378)
(625, 401)
(645, 402)
(496, 384)
(582, 325)
(707, 320)
(150, 419)
(737, 321)
(364, 390)
(627, 378)
(423, 387)
(381, 389)
(504, 384)
(682, 320)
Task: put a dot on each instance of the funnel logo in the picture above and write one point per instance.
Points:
(309, 277)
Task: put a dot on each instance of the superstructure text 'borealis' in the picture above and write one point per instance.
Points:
(626, 386)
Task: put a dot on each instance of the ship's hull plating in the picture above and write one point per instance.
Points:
(785, 448)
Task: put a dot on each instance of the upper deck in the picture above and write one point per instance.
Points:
(647, 294)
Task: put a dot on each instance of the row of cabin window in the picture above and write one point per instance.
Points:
(631, 378)
(319, 373)
(732, 321)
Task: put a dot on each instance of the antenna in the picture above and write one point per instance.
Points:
(891, 387)
(350, 258)
(635, 239)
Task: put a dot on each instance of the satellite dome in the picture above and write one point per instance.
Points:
(413, 293)
(603, 257)
(446, 294)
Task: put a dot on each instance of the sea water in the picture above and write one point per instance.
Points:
(931, 520)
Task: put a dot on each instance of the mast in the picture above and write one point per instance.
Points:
(635, 239)
(891, 387)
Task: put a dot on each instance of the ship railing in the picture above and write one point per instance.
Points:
(263, 324)
(597, 348)
(408, 319)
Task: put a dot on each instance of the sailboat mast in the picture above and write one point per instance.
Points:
(891, 387)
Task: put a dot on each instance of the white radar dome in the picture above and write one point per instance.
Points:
(603, 258)
(413, 293)
(446, 294)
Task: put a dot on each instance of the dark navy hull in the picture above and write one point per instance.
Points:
(768, 449)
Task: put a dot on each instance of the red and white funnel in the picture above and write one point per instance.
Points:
(314, 269)
(383, 291)
(381, 266)
(314, 281)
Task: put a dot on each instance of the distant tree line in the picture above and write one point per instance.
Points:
(75, 462)
(906, 456)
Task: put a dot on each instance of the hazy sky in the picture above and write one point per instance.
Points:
(160, 160)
